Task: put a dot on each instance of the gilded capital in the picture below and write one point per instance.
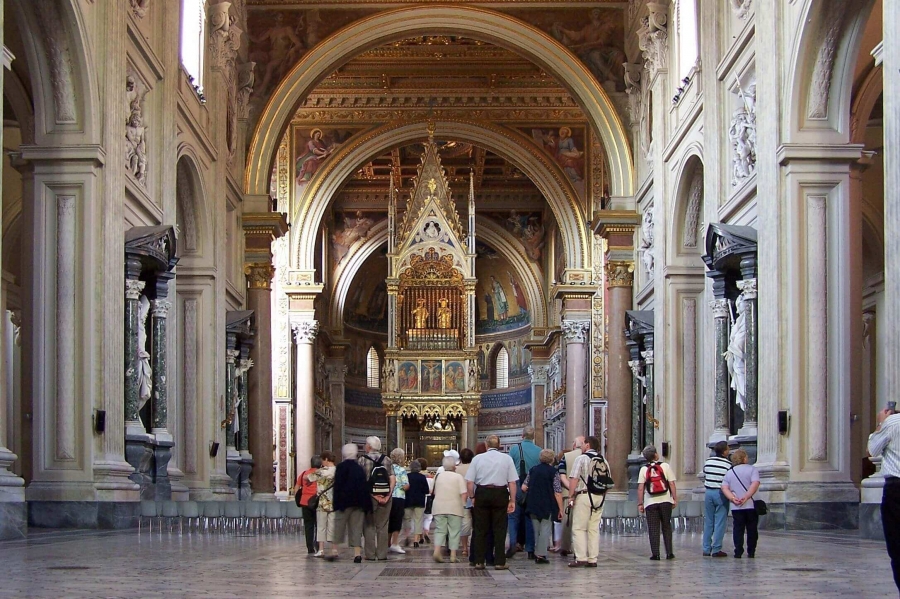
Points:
(620, 273)
(259, 274)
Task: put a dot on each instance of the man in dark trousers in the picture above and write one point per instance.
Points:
(491, 481)
(885, 442)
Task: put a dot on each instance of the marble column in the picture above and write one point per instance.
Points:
(243, 412)
(575, 333)
(259, 378)
(230, 355)
(721, 313)
(651, 423)
(392, 435)
(751, 350)
(890, 55)
(133, 289)
(471, 424)
(304, 398)
(618, 378)
(159, 312)
(637, 398)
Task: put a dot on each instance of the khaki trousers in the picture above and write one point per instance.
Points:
(586, 528)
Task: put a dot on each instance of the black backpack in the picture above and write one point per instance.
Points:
(379, 478)
(598, 481)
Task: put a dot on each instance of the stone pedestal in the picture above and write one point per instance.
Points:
(872, 488)
(162, 453)
(635, 462)
(233, 469)
(244, 492)
(13, 513)
(149, 456)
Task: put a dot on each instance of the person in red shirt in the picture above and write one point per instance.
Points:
(307, 490)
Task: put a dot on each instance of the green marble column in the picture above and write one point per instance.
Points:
(243, 412)
(230, 355)
(636, 405)
(748, 288)
(133, 290)
(721, 313)
(159, 406)
(650, 406)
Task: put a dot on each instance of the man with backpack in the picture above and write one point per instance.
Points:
(588, 484)
(525, 455)
(380, 484)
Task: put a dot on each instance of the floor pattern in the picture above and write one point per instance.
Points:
(126, 564)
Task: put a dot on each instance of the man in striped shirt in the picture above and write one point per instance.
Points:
(885, 442)
(715, 504)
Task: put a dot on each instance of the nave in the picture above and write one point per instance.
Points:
(64, 564)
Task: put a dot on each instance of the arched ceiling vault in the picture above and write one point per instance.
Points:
(515, 147)
(486, 230)
(477, 23)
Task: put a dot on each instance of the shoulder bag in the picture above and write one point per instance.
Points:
(521, 496)
(761, 507)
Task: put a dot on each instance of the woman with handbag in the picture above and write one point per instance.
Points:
(324, 479)
(738, 486)
(304, 491)
(543, 502)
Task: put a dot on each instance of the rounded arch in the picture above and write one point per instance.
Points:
(478, 23)
(190, 205)
(491, 233)
(687, 213)
(518, 149)
(821, 77)
(62, 71)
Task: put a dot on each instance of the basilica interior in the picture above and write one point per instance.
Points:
(237, 233)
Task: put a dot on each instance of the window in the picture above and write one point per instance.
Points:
(688, 50)
(193, 32)
(502, 376)
(373, 368)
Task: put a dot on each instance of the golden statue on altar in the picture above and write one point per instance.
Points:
(444, 314)
(420, 314)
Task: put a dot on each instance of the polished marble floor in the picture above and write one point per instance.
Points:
(126, 564)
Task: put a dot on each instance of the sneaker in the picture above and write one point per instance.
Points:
(319, 553)
(503, 567)
(654, 558)
(357, 559)
(670, 556)
(396, 549)
(479, 566)
(706, 554)
(576, 564)
(720, 554)
(591, 565)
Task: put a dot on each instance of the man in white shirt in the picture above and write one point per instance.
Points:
(491, 480)
(885, 442)
(565, 469)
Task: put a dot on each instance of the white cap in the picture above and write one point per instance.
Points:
(452, 453)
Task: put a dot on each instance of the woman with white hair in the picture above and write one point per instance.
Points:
(450, 494)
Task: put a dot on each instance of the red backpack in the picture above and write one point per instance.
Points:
(656, 480)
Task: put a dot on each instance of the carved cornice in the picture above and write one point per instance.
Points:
(620, 273)
(653, 37)
(259, 274)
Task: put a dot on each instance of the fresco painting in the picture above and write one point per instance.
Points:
(408, 377)
(500, 298)
(455, 378)
(430, 377)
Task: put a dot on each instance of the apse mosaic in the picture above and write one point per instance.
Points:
(500, 297)
(519, 356)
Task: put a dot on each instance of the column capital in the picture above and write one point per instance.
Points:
(160, 308)
(305, 331)
(620, 273)
(231, 355)
(648, 357)
(575, 331)
(133, 289)
(720, 308)
(748, 288)
(473, 407)
(259, 274)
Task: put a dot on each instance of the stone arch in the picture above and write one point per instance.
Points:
(821, 77)
(478, 23)
(684, 234)
(190, 205)
(62, 72)
(491, 233)
(537, 166)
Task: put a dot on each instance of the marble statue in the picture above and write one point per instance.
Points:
(473, 376)
(420, 314)
(647, 240)
(135, 132)
(736, 356)
(742, 135)
(390, 381)
(444, 314)
(145, 373)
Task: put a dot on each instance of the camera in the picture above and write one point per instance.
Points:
(892, 406)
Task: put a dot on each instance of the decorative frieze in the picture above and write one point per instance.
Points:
(139, 8)
(653, 37)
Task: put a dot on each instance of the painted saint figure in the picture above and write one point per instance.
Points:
(500, 296)
(518, 294)
(489, 306)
